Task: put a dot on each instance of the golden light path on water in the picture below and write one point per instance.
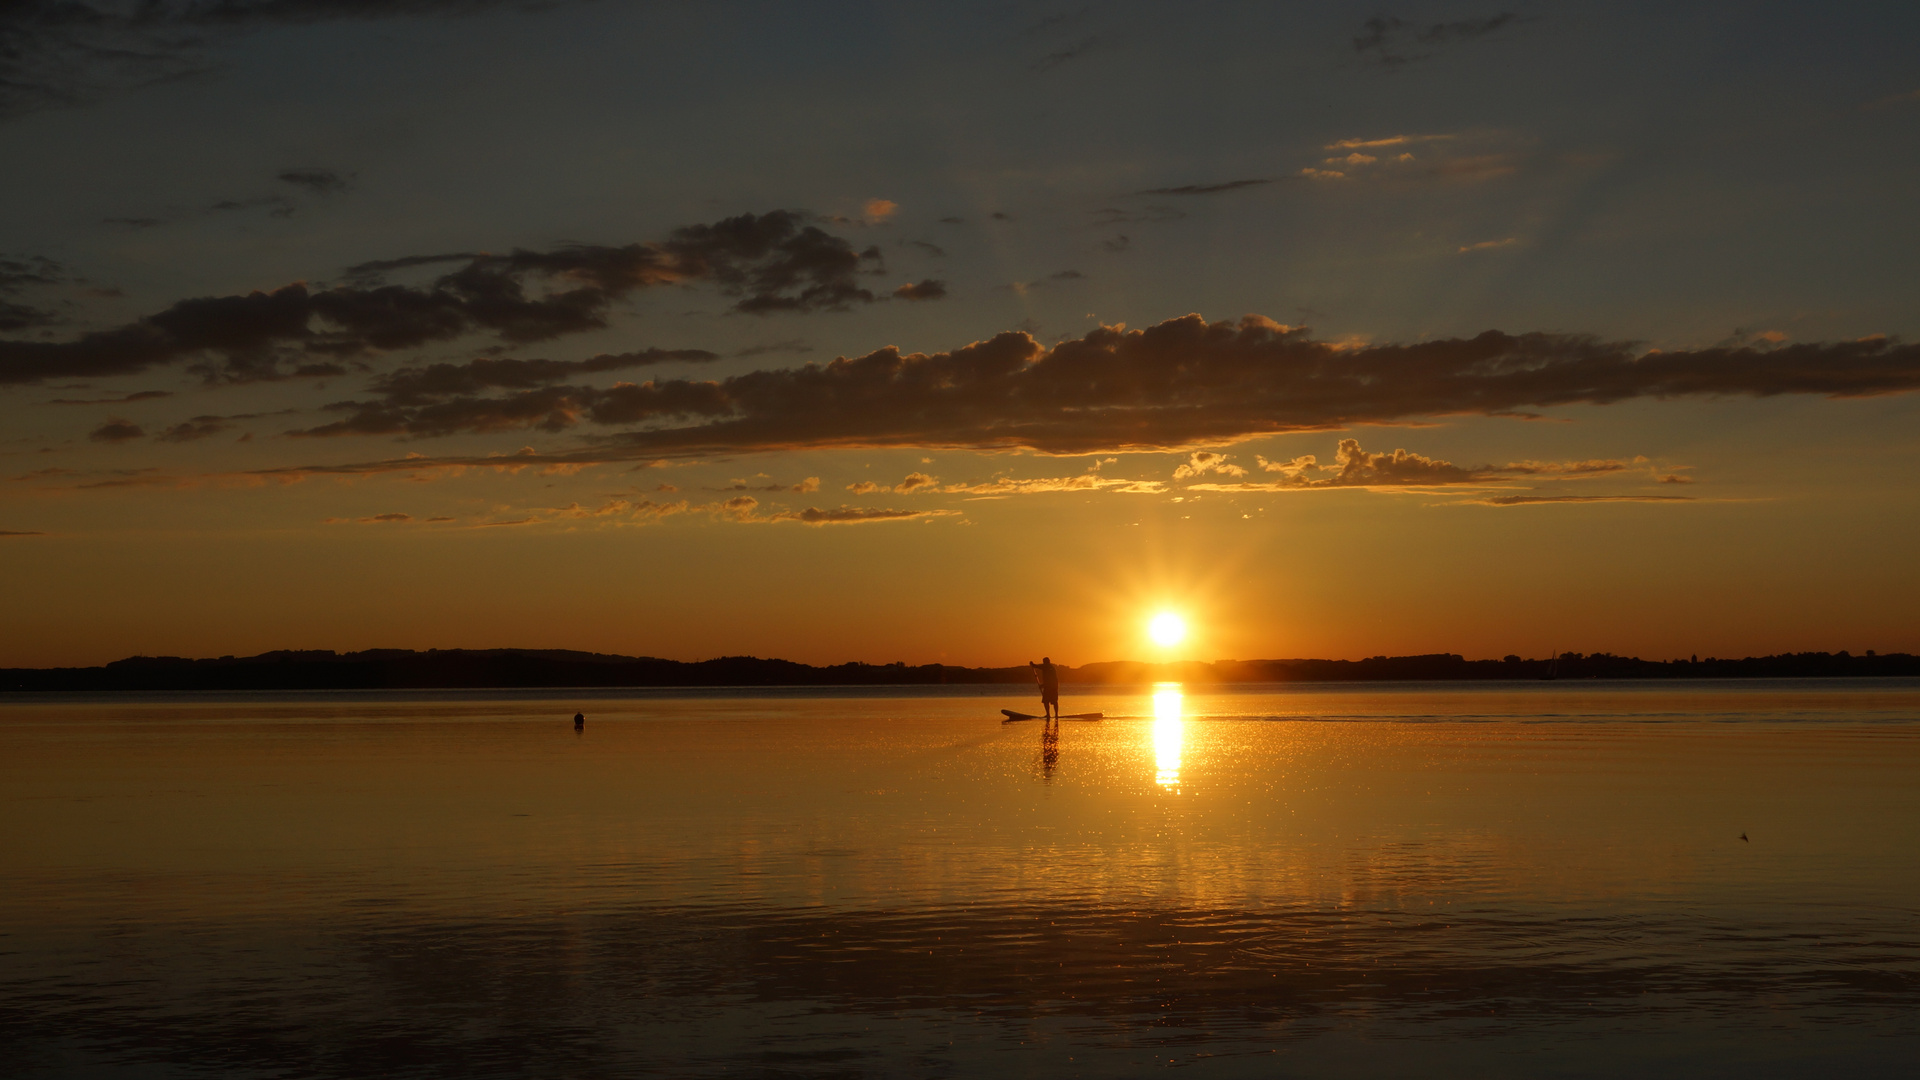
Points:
(1168, 724)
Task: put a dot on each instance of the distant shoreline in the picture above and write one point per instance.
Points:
(476, 669)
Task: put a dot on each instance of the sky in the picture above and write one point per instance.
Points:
(958, 333)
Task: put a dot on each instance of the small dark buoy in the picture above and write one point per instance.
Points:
(579, 721)
(1743, 836)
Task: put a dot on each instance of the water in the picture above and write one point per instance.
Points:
(1533, 880)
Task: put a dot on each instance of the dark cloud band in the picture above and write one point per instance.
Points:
(1179, 384)
(769, 262)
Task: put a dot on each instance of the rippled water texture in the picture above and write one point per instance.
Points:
(1693, 880)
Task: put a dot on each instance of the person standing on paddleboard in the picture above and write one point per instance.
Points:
(1048, 676)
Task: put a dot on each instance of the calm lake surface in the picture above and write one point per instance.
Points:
(1545, 879)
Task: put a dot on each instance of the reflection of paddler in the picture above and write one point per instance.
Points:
(1048, 676)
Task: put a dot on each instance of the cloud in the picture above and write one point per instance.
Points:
(1063, 276)
(418, 385)
(19, 273)
(918, 481)
(1210, 189)
(930, 289)
(139, 395)
(1110, 215)
(810, 484)
(878, 210)
(385, 519)
(199, 427)
(1071, 52)
(1205, 461)
(116, 431)
(1390, 140)
(1389, 41)
(854, 515)
(770, 262)
(864, 487)
(791, 345)
(1117, 245)
(1051, 485)
(16, 532)
(612, 512)
(318, 181)
(1179, 385)
(1489, 245)
(1355, 467)
(1533, 500)
(277, 205)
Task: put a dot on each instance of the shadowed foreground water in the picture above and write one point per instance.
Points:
(1520, 881)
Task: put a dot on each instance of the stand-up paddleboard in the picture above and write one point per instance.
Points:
(1012, 716)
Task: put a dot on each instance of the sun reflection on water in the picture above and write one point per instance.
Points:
(1167, 733)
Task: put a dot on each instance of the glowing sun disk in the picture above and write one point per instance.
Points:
(1167, 629)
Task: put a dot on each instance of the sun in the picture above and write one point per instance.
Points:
(1167, 629)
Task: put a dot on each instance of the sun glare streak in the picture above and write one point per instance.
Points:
(1168, 731)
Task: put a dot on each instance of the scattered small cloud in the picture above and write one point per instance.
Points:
(316, 180)
(791, 345)
(116, 431)
(1119, 244)
(138, 395)
(1211, 189)
(929, 289)
(854, 515)
(1392, 42)
(1533, 500)
(200, 427)
(1058, 278)
(1355, 467)
(1489, 245)
(1113, 215)
(930, 248)
(1202, 462)
(275, 205)
(1387, 141)
(1071, 52)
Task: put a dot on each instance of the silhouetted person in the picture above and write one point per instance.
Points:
(1048, 677)
(579, 721)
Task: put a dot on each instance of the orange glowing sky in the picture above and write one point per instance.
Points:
(1335, 339)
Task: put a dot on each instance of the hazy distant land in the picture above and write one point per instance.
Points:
(376, 669)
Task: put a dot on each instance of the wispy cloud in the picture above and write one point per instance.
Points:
(1393, 42)
(1355, 467)
(774, 262)
(1537, 500)
(1181, 384)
